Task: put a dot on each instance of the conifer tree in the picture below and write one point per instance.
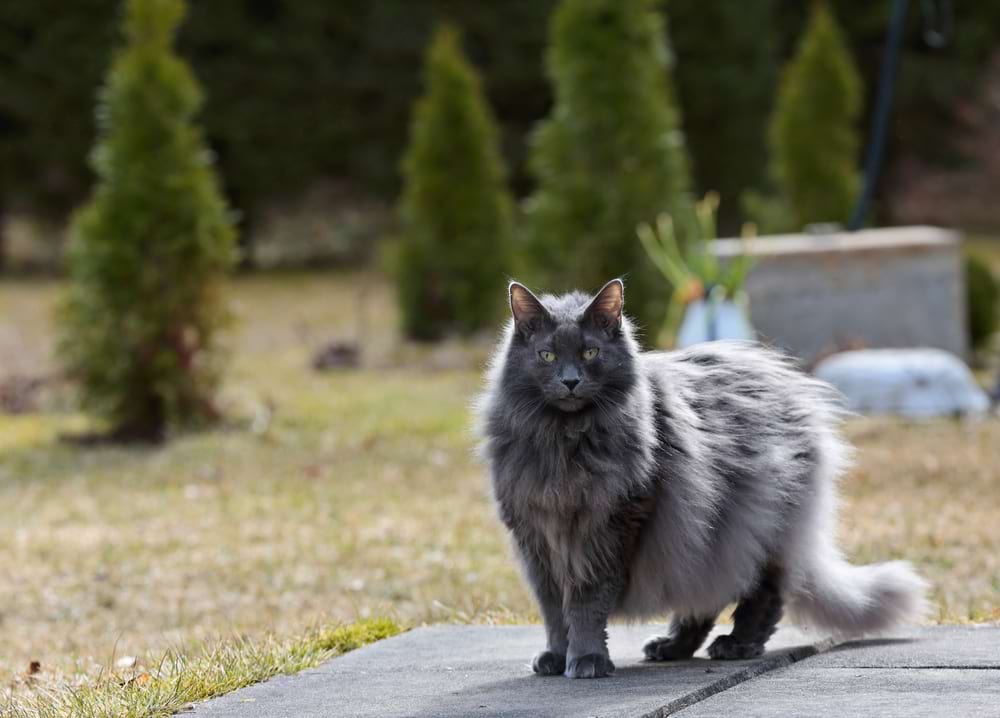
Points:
(149, 250)
(610, 155)
(813, 133)
(454, 255)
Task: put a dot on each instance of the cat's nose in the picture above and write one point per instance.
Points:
(571, 383)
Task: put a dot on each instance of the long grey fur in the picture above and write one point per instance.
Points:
(672, 485)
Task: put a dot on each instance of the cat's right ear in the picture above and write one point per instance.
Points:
(528, 312)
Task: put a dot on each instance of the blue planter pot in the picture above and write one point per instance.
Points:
(714, 318)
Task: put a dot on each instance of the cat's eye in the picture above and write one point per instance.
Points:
(546, 355)
(591, 353)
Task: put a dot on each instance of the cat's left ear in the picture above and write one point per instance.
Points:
(605, 310)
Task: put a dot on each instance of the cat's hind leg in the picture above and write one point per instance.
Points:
(686, 635)
(755, 620)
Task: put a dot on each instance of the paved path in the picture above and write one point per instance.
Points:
(473, 671)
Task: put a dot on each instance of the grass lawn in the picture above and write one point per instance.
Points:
(333, 497)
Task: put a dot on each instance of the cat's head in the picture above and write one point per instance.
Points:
(574, 350)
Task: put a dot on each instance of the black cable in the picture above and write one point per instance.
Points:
(883, 107)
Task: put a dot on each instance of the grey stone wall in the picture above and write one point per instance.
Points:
(898, 287)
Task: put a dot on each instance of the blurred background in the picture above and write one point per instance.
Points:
(254, 255)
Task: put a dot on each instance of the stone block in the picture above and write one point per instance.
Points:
(813, 295)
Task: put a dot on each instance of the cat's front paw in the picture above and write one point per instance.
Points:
(664, 648)
(548, 663)
(727, 648)
(591, 665)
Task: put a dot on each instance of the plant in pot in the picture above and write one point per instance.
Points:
(708, 301)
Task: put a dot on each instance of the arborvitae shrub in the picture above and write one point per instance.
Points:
(814, 135)
(982, 300)
(610, 155)
(149, 250)
(454, 255)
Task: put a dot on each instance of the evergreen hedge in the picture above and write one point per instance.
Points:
(332, 83)
(727, 55)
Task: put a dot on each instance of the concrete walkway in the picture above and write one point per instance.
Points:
(472, 671)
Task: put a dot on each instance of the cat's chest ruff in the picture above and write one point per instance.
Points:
(573, 474)
(571, 492)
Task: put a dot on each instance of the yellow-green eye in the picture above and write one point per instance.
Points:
(591, 353)
(546, 355)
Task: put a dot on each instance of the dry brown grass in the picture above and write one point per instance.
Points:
(332, 496)
(930, 492)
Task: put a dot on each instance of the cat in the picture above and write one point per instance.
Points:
(636, 483)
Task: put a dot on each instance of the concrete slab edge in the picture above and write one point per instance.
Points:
(780, 660)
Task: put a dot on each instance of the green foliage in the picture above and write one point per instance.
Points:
(149, 250)
(352, 636)
(770, 212)
(933, 82)
(456, 211)
(680, 246)
(982, 301)
(610, 155)
(348, 71)
(333, 82)
(726, 71)
(814, 136)
(53, 54)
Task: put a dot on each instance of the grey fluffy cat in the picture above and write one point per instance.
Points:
(635, 483)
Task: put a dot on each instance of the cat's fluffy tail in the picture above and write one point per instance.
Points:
(826, 591)
(855, 600)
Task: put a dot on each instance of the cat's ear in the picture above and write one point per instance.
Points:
(605, 310)
(527, 310)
